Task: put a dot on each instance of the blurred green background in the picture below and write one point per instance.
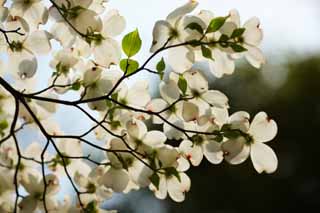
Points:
(289, 91)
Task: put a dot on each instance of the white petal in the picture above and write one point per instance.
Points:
(235, 151)
(222, 64)
(262, 128)
(240, 120)
(63, 34)
(154, 139)
(87, 19)
(168, 156)
(161, 34)
(116, 179)
(36, 14)
(23, 63)
(181, 59)
(136, 129)
(196, 81)
(206, 16)
(170, 131)
(161, 193)
(140, 173)
(212, 151)
(253, 34)
(216, 98)
(157, 105)
(192, 152)
(234, 17)
(169, 91)
(113, 24)
(138, 94)
(38, 42)
(28, 204)
(181, 11)
(263, 158)
(107, 52)
(190, 111)
(178, 189)
(254, 56)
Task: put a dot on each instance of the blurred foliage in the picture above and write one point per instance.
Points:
(295, 105)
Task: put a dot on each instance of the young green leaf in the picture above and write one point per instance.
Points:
(206, 52)
(238, 48)
(155, 180)
(237, 32)
(161, 66)
(182, 84)
(129, 66)
(76, 85)
(195, 26)
(131, 43)
(216, 24)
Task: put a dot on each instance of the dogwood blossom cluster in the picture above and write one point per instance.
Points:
(145, 141)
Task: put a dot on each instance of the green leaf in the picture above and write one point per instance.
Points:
(155, 180)
(219, 138)
(237, 32)
(182, 84)
(131, 43)
(223, 38)
(194, 43)
(4, 124)
(232, 134)
(216, 24)
(223, 41)
(172, 171)
(195, 26)
(129, 66)
(161, 66)
(206, 52)
(238, 48)
(76, 85)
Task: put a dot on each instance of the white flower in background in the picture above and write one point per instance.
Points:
(90, 184)
(34, 185)
(33, 11)
(65, 63)
(68, 148)
(261, 130)
(22, 49)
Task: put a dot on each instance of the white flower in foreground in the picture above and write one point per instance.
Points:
(171, 180)
(202, 145)
(261, 130)
(250, 39)
(221, 63)
(137, 95)
(172, 30)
